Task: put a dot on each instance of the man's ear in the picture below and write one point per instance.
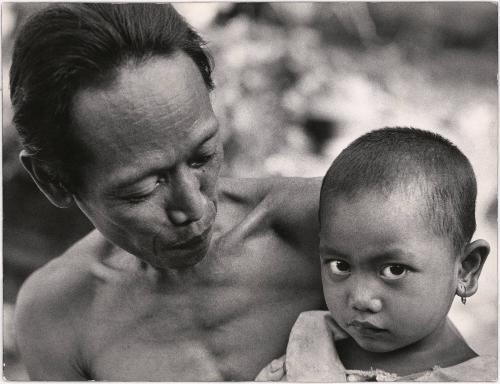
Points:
(44, 178)
(471, 265)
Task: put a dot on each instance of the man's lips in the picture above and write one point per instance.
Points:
(192, 241)
(188, 238)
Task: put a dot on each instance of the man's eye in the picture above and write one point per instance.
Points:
(339, 267)
(145, 193)
(394, 271)
(137, 198)
(201, 160)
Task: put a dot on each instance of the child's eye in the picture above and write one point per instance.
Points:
(339, 267)
(394, 271)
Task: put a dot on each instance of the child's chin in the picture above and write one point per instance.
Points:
(376, 346)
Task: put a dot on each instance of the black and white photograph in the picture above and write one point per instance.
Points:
(260, 191)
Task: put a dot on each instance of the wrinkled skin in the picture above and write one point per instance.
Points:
(187, 277)
(154, 187)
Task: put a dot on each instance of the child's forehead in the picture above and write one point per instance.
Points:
(373, 207)
(380, 216)
(409, 194)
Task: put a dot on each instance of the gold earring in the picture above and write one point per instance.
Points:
(462, 292)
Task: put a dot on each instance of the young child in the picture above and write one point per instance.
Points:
(397, 217)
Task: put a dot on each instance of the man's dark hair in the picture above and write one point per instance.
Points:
(66, 47)
(418, 162)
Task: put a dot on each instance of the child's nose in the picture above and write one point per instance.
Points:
(370, 305)
(364, 299)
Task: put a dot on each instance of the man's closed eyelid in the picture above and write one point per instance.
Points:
(138, 192)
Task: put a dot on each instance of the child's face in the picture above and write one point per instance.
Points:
(388, 280)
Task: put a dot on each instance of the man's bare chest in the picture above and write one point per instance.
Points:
(167, 345)
(225, 321)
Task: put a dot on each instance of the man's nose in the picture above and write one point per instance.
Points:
(364, 298)
(186, 203)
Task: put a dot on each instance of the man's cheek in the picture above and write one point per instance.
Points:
(209, 181)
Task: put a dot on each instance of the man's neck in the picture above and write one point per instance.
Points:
(444, 347)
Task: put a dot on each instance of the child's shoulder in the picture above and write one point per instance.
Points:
(480, 368)
(310, 353)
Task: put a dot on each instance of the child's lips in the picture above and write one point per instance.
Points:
(365, 327)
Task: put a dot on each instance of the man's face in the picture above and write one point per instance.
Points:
(154, 152)
(388, 280)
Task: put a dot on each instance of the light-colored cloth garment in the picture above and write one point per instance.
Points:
(311, 357)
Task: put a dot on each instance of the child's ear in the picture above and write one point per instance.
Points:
(471, 264)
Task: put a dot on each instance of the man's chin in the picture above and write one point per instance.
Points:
(182, 258)
(185, 261)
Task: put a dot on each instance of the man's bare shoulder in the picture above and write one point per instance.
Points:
(62, 283)
(50, 306)
(255, 190)
(307, 189)
(66, 275)
(288, 206)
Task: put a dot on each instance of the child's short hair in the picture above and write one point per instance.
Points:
(410, 159)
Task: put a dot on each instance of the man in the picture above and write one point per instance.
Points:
(186, 277)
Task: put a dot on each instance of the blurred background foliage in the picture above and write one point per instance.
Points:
(295, 83)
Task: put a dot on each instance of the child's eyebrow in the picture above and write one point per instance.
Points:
(390, 254)
(393, 254)
(332, 251)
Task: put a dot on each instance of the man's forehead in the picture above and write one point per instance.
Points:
(176, 73)
(159, 108)
(166, 92)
